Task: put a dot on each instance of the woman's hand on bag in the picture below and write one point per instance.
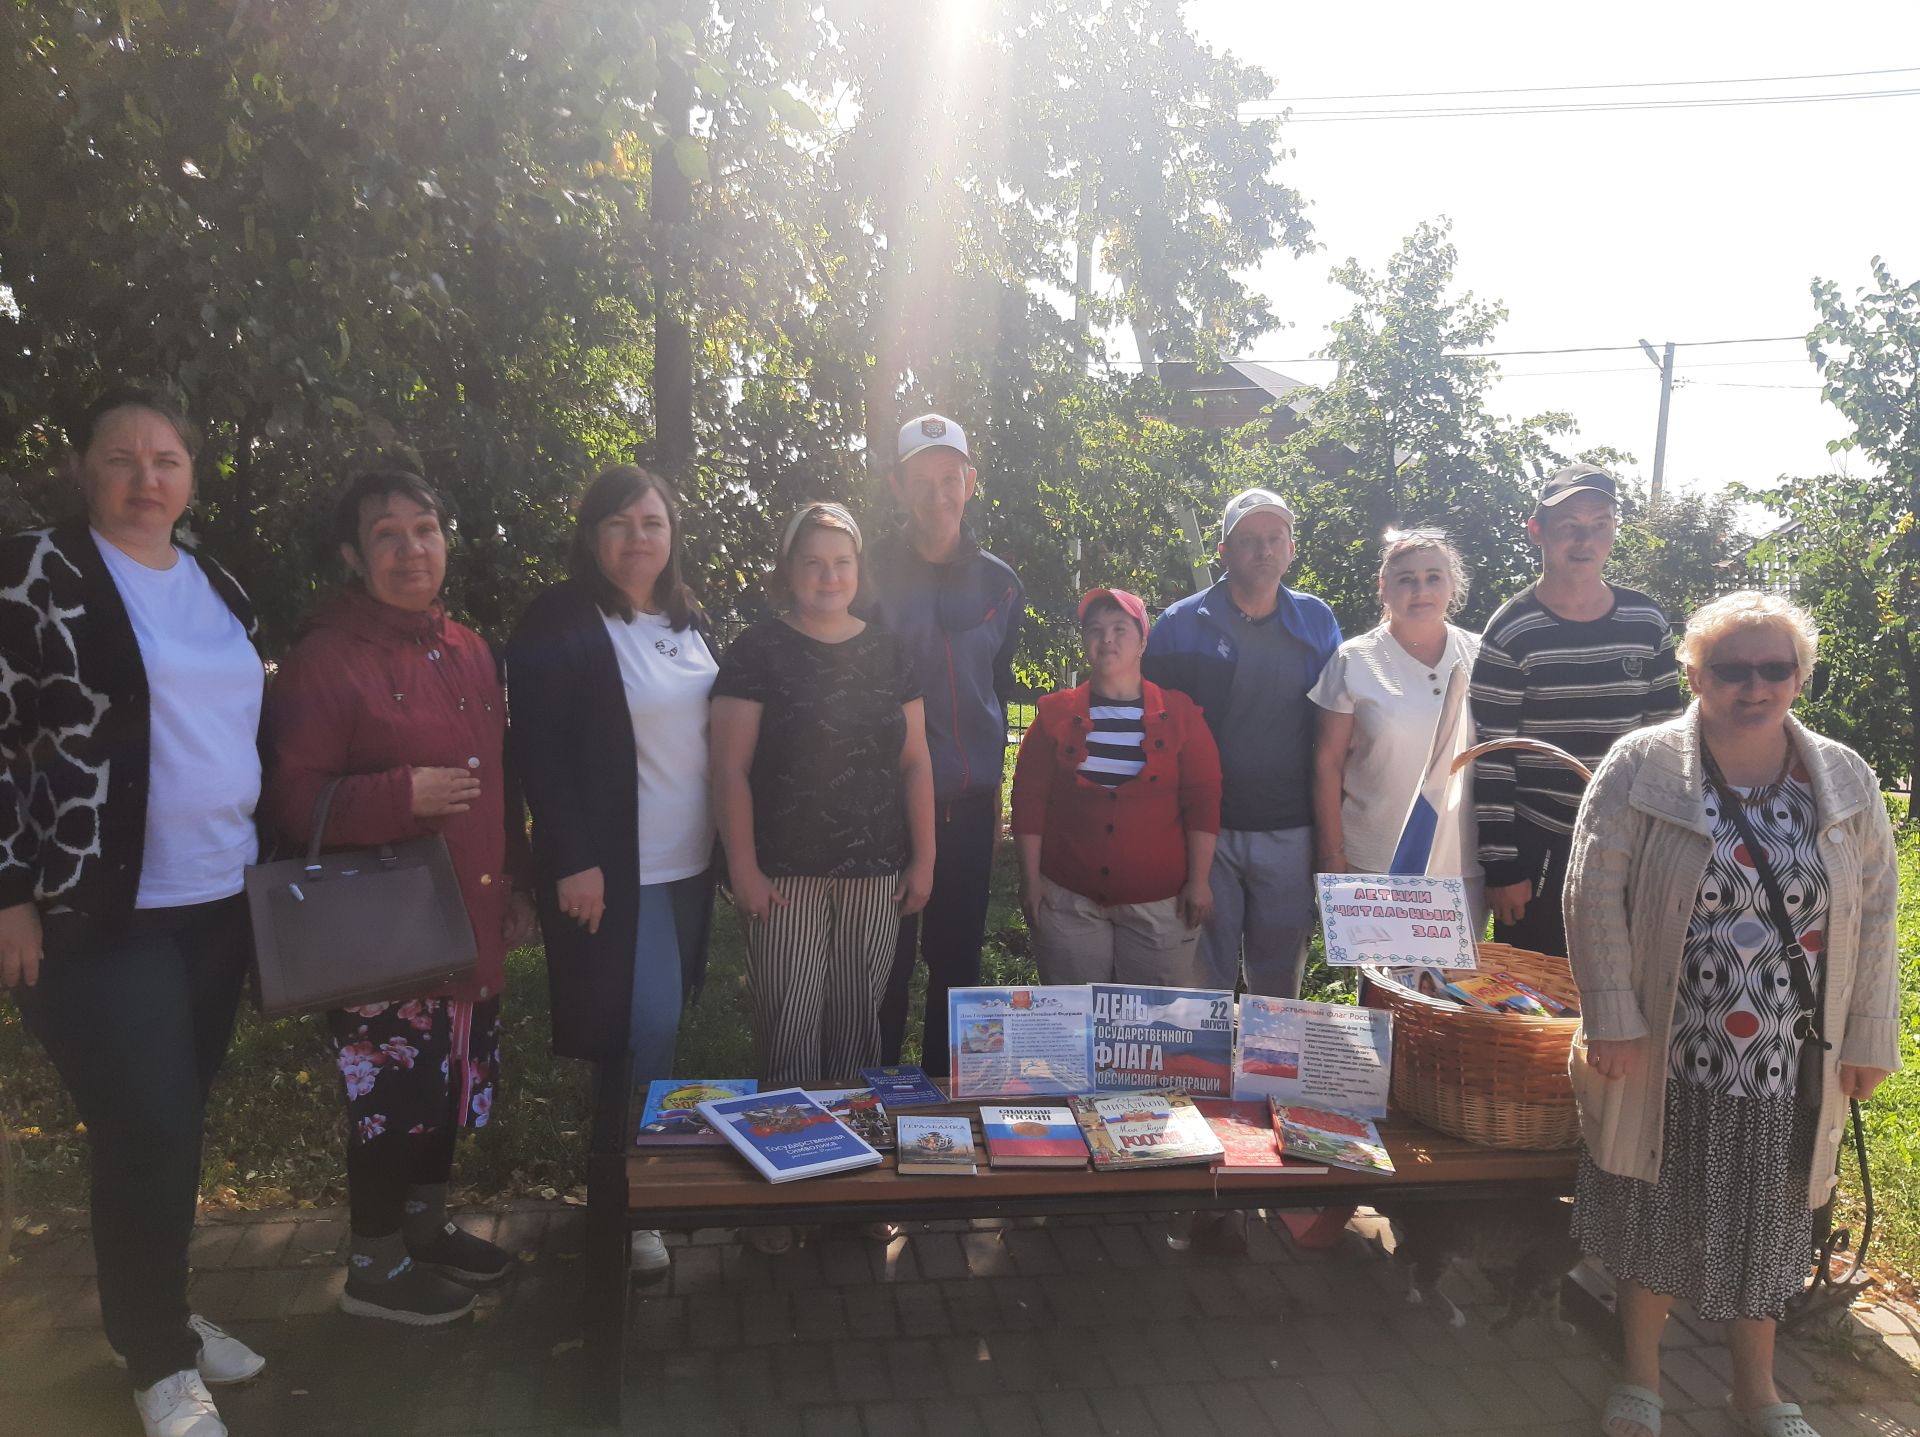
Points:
(1614, 1057)
(517, 929)
(755, 895)
(1196, 903)
(19, 945)
(1858, 1083)
(438, 792)
(583, 898)
(916, 887)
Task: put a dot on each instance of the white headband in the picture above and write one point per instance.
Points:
(814, 511)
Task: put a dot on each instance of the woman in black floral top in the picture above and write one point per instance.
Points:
(824, 795)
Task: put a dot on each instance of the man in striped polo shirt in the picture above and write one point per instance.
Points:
(1574, 661)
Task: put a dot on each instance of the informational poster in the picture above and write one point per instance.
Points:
(1323, 1055)
(1178, 1039)
(1389, 921)
(1021, 1042)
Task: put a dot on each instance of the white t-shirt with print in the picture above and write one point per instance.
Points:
(1395, 702)
(204, 685)
(668, 678)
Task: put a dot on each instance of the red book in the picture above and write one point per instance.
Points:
(1246, 1130)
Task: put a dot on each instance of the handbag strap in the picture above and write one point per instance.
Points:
(322, 806)
(1798, 964)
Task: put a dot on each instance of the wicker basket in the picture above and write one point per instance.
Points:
(1496, 1079)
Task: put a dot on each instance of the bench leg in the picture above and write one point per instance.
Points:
(604, 1258)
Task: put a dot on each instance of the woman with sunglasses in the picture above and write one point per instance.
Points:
(823, 791)
(1730, 913)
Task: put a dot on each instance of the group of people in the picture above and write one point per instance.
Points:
(839, 768)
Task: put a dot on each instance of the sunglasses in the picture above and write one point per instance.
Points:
(1775, 672)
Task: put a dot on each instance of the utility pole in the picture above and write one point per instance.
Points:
(1665, 366)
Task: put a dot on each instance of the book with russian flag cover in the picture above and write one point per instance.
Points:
(1032, 1137)
(786, 1135)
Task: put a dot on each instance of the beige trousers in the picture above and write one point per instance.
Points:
(1078, 941)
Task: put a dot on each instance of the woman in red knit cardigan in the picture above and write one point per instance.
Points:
(1116, 809)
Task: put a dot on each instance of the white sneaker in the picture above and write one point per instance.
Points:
(224, 1359)
(179, 1406)
(649, 1254)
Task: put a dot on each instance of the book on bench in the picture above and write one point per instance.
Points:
(671, 1117)
(1251, 1137)
(1147, 1129)
(934, 1147)
(1032, 1137)
(786, 1135)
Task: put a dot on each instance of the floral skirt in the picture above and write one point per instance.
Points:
(1726, 1228)
(416, 1065)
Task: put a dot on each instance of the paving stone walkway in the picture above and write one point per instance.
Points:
(1078, 1328)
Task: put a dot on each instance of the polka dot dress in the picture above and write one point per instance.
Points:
(1727, 1227)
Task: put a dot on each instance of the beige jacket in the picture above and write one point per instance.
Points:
(1640, 849)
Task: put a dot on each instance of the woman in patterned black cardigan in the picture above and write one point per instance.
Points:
(130, 695)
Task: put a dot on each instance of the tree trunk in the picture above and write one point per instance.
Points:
(670, 206)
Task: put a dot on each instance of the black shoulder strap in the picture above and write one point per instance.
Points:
(1798, 964)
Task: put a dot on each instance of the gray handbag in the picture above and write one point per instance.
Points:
(364, 925)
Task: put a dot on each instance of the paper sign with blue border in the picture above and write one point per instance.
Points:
(1392, 921)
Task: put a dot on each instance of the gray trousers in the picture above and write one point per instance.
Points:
(1263, 909)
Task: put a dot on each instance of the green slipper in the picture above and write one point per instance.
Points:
(1628, 1403)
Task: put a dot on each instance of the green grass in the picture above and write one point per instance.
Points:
(1892, 1119)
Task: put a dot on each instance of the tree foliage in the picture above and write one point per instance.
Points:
(336, 222)
(1854, 537)
(1405, 436)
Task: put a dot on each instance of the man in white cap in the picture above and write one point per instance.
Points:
(1573, 660)
(1247, 650)
(959, 609)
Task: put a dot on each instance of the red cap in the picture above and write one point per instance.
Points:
(1130, 603)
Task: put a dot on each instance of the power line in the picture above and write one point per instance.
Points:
(1517, 353)
(1334, 117)
(1564, 89)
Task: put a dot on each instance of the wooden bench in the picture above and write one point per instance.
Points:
(692, 1187)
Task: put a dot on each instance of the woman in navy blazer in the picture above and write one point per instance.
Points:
(608, 676)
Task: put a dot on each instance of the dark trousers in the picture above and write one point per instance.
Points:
(949, 930)
(136, 1028)
(1543, 927)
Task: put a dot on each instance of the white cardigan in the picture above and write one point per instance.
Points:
(1640, 848)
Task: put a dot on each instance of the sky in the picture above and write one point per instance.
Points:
(1609, 228)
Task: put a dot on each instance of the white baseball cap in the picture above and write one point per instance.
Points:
(1249, 501)
(931, 431)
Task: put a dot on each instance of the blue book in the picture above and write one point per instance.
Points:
(787, 1135)
(902, 1086)
(671, 1117)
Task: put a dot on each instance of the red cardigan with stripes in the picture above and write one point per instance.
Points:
(1126, 844)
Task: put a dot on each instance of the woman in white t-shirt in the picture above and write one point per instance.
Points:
(130, 696)
(1380, 698)
(609, 675)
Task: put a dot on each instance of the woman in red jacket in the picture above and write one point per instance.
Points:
(403, 706)
(1116, 809)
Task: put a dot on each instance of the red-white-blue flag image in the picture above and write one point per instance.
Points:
(1430, 837)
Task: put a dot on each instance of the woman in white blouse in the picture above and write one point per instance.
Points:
(609, 675)
(1379, 699)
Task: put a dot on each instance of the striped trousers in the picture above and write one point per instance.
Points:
(816, 972)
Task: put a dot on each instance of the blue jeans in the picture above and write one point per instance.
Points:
(653, 1015)
(137, 1027)
(1263, 908)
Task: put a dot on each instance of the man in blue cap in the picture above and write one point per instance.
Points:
(959, 609)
